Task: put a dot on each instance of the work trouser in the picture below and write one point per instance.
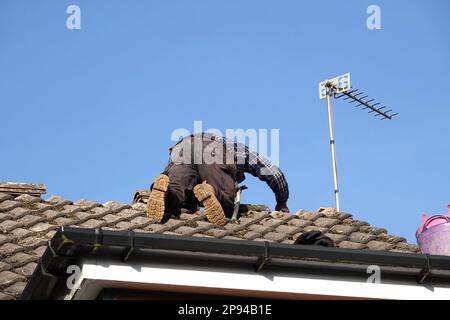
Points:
(183, 177)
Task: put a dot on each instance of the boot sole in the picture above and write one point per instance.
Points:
(156, 201)
(213, 208)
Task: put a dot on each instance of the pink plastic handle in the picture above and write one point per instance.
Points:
(425, 226)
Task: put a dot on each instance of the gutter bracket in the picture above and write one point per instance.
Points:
(44, 270)
(129, 250)
(98, 239)
(263, 260)
(426, 271)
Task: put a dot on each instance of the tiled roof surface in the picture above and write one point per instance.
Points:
(28, 222)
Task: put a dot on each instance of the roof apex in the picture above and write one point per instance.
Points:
(20, 188)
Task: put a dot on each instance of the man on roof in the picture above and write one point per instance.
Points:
(205, 169)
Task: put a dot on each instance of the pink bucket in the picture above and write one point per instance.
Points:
(433, 236)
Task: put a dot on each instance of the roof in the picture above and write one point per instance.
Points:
(28, 222)
(112, 259)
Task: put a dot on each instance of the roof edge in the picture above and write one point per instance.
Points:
(71, 244)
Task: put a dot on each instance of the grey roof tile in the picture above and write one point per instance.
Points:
(354, 223)
(407, 247)
(186, 216)
(351, 245)
(315, 228)
(124, 225)
(70, 209)
(4, 297)
(274, 236)
(64, 221)
(19, 259)
(92, 223)
(3, 239)
(342, 229)
(379, 246)
(372, 230)
(50, 234)
(173, 223)
(297, 222)
(8, 225)
(232, 238)
(256, 215)
(282, 215)
(328, 212)
(28, 198)
(286, 229)
(233, 226)
(98, 212)
(361, 237)
(58, 201)
(42, 226)
(86, 204)
(271, 222)
(33, 242)
(185, 230)
(15, 289)
(52, 214)
(9, 205)
(18, 213)
(204, 224)
(139, 206)
(171, 233)
(247, 220)
(390, 239)
(8, 278)
(344, 216)
(336, 237)
(129, 213)
(155, 227)
(9, 248)
(112, 218)
(29, 220)
(39, 207)
(26, 270)
(117, 206)
(20, 233)
(263, 240)
(4, 216)
(216, 233)
(4, 266)
(252, 235)
(308, 215)
(39, 251)
(201, 235)
(140, 221)
(325, 222)
(5, 196)
(259, 228)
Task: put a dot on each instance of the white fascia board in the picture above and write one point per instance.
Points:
(165, 274)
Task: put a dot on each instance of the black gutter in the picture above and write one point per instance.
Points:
(70, 245)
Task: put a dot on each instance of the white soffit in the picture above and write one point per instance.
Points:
(248, 280)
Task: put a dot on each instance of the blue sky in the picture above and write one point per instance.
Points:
(90, 112)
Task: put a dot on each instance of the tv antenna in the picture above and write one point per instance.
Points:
(340, 87)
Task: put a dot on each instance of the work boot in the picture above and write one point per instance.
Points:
(213, 209)
(156, 201)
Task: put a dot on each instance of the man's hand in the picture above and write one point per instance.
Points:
(282, 206)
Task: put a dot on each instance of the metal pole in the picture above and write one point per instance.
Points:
(333, 149)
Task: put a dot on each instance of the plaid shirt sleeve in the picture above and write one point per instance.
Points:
(265, 171)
